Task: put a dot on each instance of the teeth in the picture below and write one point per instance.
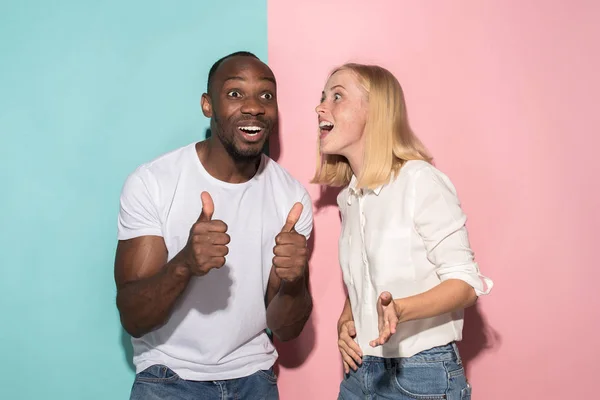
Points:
(250, 129)
(325, 124)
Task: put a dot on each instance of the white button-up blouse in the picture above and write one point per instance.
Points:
(405, 237)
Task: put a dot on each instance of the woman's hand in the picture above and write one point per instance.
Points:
(351, 353)
(388, 318)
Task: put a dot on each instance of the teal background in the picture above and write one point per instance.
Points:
(88, 91)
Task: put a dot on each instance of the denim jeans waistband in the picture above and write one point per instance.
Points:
(447, 352)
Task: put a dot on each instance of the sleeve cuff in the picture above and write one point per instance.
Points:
(131, 234)
(482, 285)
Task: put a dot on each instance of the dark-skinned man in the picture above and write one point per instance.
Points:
(212, 250)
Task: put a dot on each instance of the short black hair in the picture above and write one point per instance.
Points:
(214, 67)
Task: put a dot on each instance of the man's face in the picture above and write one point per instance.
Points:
(242, 105)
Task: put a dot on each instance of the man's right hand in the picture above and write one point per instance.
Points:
(351, 353)
(207, 244)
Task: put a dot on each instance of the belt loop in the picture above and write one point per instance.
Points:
(455, 348)
(388, 363)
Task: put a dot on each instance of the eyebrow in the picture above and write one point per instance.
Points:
(240, 78)
(334, 87)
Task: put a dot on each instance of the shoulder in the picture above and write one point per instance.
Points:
(288, 190)
(421, 172)
(425, 179)
(417, 167)
(281, 177)
(170, 162)
(161, 168)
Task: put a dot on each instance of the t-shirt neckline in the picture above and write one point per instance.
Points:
(221, 183)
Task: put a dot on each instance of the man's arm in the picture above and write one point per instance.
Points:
(289, 302)
(147, 286)
(289, 305)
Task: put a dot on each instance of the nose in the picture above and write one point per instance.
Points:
(320, 109)
(252, 106)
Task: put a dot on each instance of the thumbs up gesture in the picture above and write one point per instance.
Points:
(291, 253)
(207, 244)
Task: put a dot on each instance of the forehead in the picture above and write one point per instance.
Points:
(242, 68)
(346, 78)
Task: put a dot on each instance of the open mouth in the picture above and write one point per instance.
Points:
(325, 127)
(251, 132)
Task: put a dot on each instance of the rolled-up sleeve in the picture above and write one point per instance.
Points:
(440, 221)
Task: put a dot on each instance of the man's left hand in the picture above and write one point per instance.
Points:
(291, 252)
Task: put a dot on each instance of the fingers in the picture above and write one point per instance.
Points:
(348, 361)
(350, 350)
(290, 238)
(349, 355)
(353, 346)
(209, 226)
(381, 340)
(216, 238)
(289, 250)
(282, 263)
(208, 207)
(393, 322)
(292, 217)
(215, 251)
(213, 262)
(350, 347)
(388, 319)
(346, 366)
(289, 274)
(387, 330)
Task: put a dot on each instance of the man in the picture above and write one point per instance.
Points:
(212, 250)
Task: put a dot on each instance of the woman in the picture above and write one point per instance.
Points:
(403, 249)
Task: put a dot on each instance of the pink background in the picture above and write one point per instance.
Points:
(505, 94)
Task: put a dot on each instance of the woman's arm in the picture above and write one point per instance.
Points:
(448, 296)
(440, 222)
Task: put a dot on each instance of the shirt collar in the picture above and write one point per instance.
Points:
(353, 191)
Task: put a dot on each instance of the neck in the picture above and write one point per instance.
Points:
(220, 165)
(355, 159)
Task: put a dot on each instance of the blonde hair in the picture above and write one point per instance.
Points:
(389, 140)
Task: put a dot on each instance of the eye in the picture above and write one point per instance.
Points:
(234, 94)
(267, 96)
(337, 96)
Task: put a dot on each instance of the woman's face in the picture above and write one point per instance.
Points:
(342, 115)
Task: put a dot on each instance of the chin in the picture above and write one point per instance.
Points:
(249, 151)
(328, 150)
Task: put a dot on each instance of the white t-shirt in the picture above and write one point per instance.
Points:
(217, 328)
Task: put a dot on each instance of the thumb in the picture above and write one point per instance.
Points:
(386, 298)
(292, 217)
(351, 330)
(208, 207)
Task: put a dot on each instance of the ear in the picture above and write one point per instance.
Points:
(206, 105)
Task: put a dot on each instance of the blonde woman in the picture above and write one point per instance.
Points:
(403, 249)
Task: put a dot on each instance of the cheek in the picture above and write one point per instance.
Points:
(272, 112)
(351, 125)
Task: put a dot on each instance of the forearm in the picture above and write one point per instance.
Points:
(346, 313)
(146, 304)
(448, 296)
(289, 309)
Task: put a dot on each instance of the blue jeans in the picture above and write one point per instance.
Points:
(433, 374)
(160, 382)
